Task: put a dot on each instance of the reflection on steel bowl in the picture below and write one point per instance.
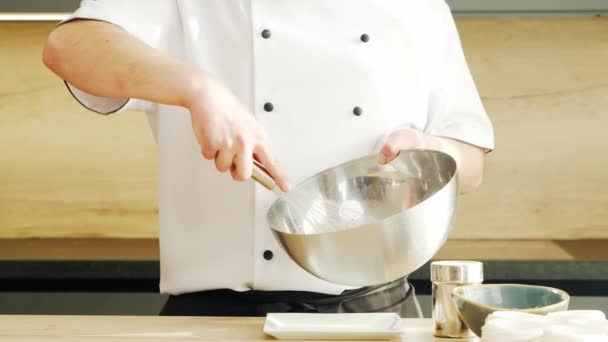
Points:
(408, 207)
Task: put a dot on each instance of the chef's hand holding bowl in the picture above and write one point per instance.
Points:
(469, 158)
(408, 194)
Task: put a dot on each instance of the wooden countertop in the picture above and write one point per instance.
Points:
(153, 329)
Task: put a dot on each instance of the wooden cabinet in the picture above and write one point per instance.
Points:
(69, 174)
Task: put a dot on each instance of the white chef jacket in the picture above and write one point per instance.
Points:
(314, 65)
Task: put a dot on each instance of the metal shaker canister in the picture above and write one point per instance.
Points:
(445, 276)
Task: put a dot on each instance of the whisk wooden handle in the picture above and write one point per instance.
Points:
(262, 176)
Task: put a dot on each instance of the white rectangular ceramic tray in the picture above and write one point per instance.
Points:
(350, 326)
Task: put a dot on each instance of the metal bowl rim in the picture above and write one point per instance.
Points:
(353, 161)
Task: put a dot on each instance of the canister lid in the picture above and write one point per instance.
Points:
(456, 271)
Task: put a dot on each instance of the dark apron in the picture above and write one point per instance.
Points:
(398, 296)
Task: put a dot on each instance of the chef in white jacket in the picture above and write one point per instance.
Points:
(301, 86)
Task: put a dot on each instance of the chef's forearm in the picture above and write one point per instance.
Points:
(470, 160)
(105, 60)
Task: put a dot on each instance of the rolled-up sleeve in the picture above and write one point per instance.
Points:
(144, 19)
(455, 107)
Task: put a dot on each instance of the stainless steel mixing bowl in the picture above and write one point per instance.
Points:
(409, 206)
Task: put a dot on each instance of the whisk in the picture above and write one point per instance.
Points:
(310, 212)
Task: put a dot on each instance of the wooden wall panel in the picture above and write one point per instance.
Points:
(67, 173)
(545, 85)
(147, 249)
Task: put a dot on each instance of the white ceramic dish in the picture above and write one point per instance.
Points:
(355, 326)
